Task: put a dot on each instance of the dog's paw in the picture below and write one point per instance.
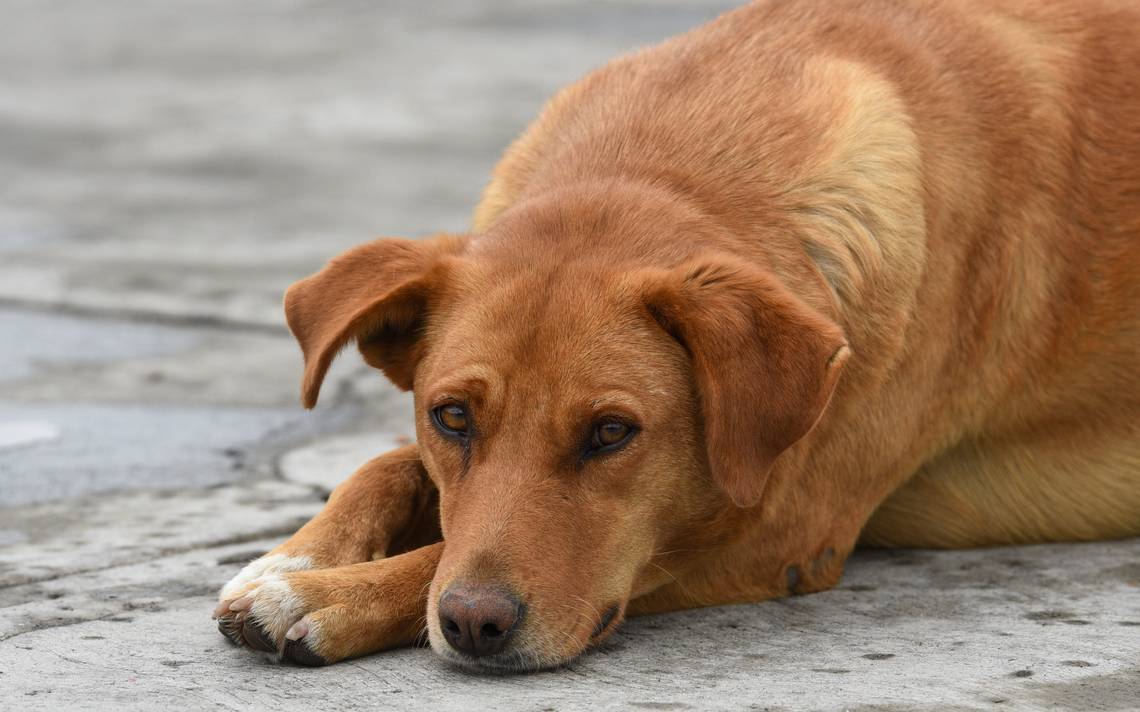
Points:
(256, 574)
(323, 615)
(286, 615)
(268, 617)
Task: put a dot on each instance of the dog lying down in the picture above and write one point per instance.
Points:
(817, 274)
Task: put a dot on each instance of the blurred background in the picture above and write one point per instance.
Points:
(189, 158)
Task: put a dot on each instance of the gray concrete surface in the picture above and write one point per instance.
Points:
(168, 168)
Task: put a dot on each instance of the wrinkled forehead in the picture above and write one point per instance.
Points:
(554, 332)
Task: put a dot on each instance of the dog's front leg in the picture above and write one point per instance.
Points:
(320, 616)
(387, 506)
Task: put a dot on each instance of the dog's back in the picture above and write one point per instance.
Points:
(966, 178)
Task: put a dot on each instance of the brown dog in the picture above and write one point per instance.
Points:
(820, 272)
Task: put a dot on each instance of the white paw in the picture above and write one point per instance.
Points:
(268, 565)
(269, 618)
(275, 607)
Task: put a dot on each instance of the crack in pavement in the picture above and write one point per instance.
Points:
(113, 615)
(265, 533)
(62, 624)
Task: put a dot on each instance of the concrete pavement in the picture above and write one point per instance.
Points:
(168, 169)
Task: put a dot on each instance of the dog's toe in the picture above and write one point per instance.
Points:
(230, 627)
(254, 635)
(299, 652)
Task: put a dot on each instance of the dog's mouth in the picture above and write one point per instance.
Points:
(521, 657)
(606, 623)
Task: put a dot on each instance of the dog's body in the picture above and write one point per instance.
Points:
(938, 200)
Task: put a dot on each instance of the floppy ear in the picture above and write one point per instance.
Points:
(377, 294)
(765, 363)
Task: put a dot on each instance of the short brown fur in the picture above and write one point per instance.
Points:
(861, 271)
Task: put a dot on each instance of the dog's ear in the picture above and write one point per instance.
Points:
(377, 294)
(765, 363)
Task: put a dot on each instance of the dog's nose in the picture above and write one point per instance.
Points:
(478, 620)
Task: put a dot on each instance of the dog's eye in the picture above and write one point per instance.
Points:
(452, 420)
(609, 435)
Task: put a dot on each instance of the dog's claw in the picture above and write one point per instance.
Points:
(298, 630)
(241, 604)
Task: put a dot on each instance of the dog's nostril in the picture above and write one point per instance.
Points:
(490, 630)
(451, 626)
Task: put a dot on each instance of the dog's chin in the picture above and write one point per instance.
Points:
(506, 663)
(520, 658)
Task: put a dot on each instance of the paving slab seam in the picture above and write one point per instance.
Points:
(145, 317)
(283, 530)
(129, 589)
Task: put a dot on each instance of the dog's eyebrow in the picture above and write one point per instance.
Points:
(473, 381)
(615, 397)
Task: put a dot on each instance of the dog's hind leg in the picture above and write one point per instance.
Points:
(386, 507)
(1078, 485)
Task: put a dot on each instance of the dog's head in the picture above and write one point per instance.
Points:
(580, 415)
